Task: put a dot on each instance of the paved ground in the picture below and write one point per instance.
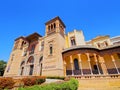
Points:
(52, 80)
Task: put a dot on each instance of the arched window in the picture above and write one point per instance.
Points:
(73, 42)
(22, 63)
(42, 45)
(106, 44)
(31, 65)
(30, 60)
(76, 65)
(54, 25)
(22, 44)
(22, 67)
(51, 26)
(40, 63)
(51, 49)
(41, 58)
(48, 28)
(98, 45)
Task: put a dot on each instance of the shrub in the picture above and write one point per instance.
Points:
(55, 77)
(40, 80)
(69, 85)
(6, 83)
(29, 81)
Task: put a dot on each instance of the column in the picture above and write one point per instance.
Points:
(71, 62)
(96, 61)
(113, 60)
(64, 68)
(25, 72)
(103, 66)
(89, 63)
(80, 63)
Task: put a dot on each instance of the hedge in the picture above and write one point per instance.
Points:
(69, 85)
(29, 81)
(55, 77)
(6, 83)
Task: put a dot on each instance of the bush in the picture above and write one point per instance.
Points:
(69, 85)
(33, 80)
(6, 83)
(55, 77)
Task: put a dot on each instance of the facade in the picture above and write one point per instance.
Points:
(60, 54)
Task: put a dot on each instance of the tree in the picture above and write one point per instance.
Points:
(2, 67)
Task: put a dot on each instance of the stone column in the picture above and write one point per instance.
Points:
(103, 66)
(113, 60)
(96, 61)
(89, 63)
(64, 68)
(71, 62)
(80, 63)
(26, 70)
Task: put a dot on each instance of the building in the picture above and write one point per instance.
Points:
(60, 54)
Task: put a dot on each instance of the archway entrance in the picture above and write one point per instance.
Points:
(30, 64)
(40, 64)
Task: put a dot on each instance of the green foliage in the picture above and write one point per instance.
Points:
(69, 85)
(2, 67)
(55, 77)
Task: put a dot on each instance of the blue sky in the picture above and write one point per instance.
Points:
(23, 17)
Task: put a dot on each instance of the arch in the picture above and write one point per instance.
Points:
(22, 63)
(40, 65)
(51, 26)
(30, 60)
(54, 25)
(48, 28)
(22, 67)
(22, 44)
(51, 49)
(41, 58)
(76, 64)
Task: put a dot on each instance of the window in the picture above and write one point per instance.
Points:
(30, 63)
(16, 45)
(32, 49)
(106, 44)
(41, 58)
(76, 65)
(22, 70)
(23, 63)
(73, 41)
(95, 67)
(30, 60)
(31, 69)
(98, 45)
(8, 68)
(51, 49)
(40, 63)
(51, 26)
(54, 25)
(24, 52)
(48, 28)
(42, 46)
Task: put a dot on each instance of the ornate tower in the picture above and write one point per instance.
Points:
(13, 64)
(54, 44)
